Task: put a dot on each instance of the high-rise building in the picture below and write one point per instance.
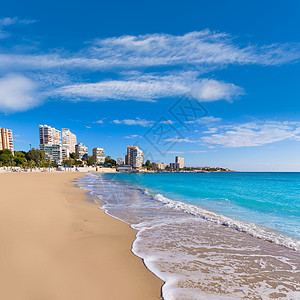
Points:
(81, 151)
(180, 161)
(6, 139)
(134, 157)
(50, 143)
(98, 156)
(69, 140)
(49, 135)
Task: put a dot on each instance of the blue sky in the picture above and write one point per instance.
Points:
(111, 72)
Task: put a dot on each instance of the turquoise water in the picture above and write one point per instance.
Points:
(210, 236)
(270, 200)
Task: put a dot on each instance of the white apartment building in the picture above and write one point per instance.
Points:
(159, 166)
(50, 143)
(134, 157)
(180, 161)
(98, 156)
(81, 151)
(49, 135)
(69, 141)
(6, 139)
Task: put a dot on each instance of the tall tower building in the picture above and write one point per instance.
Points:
(134, 157)
(81, 151)
(6, 139)
(49, 135)
(50, 143)
(180, 161)
(69, 140)
(98, 155)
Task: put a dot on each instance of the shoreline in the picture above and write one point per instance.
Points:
(57, 245)
(195, 257)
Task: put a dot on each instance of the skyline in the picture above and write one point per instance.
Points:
(111, 84)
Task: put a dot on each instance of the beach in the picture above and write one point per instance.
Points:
(56, 245)
(201, 254)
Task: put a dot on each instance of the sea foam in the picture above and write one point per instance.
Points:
(250, 228)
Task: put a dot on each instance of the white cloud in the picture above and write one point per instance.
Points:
(99, 122)
(204, 48)
(17, 93)
(211, 90)
(211, 130)
(254, 134)
(176, 140)
(137, 121)
(11, 21)
(170, 122)
(151, 87)
(173, 152)
(4, 22)
(133, 136)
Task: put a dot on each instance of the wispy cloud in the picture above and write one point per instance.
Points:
(254, 134)
(99, 122)
(194, 48)
(133, 136)
(204, 48)
(128, 57)
(5, 22)
(178, 140)
(151, 87)
(137, 121)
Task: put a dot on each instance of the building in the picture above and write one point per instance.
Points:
(134, 157)
(180, 161)
(52, 152)
(69, 141)
(50, 143)
(120, 161)
(174, 166)
(65, 153)
(123, 168)
(49, 135)
(98, 156)
(81, 151)
(6, 139)
(159, 166)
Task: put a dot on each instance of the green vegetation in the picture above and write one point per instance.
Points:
(110, 162)
(148, 165)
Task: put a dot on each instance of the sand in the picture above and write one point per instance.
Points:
(55, 245)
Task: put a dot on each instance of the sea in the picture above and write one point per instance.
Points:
(225, 235)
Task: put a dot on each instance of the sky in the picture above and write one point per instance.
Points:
(216, 82)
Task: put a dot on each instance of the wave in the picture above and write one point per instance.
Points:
(242, 226)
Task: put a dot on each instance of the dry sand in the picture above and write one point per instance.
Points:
(55, 245)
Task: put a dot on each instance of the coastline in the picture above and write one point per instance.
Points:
(56, 245)
(195, 257)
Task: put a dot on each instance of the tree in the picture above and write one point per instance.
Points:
(110, 162)
(148, 165)
(6, 157)
(36, 155)
(73, 155)
(20, 158)
(90, 161)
